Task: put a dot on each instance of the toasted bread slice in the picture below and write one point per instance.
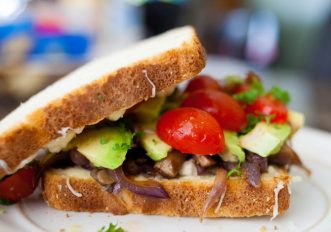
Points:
(93, 92)
(187, 195)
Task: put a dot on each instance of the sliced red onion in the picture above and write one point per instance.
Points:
(148, 188)
(253, 167)
(217, 192)
(252, 173)
(262, 162)
(116, 188)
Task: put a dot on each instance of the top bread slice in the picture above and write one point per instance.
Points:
(96, 90)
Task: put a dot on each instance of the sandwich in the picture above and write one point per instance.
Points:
(119, 136)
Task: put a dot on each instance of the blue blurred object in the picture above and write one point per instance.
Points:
(45, 39)
(262, 38)
(22, 24)
(74, 46)
(250, 35)
(233, 33)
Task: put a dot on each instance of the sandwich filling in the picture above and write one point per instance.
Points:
(233, 128)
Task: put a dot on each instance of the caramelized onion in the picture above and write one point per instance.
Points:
(287, 157)
(253, 167)
(217, 192)
(252, 173)
(148, 188)
(262, 162)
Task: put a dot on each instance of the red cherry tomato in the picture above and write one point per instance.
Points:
(19, 185)
(191, 131)
(222, 106)
(202, 82)
(268, 105)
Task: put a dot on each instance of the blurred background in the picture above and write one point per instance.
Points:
(287, 42)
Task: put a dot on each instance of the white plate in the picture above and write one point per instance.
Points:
(309, 210)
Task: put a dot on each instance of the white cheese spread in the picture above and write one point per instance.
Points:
(279, 187)
(152, 84)
(72, 190)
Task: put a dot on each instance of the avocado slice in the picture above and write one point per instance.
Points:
(155, 147)
(265, 139)
(232, 146)
(296, 120)
(106, 147)
(149, 110)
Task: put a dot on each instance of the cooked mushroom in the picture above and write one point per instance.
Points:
(204, 161)
(102, 176)
(170, 166)
(130, 167)
(287, 157)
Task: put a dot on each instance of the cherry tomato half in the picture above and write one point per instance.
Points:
(191, 131)
(202, 82)
(268, 105)
(222, 106)
(19, 185)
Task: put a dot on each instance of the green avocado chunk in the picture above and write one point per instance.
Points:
(105, 147)
(149, 110)
(265, 139)
(155, 147)
(232, 145)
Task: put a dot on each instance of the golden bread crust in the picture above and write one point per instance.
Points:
(187, 197)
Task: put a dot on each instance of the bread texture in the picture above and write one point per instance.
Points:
(187, 196)
(95, 91)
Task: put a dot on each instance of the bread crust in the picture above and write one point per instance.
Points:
(187, 197)
(95, 101)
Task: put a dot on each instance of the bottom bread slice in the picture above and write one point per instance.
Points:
(73, 189)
